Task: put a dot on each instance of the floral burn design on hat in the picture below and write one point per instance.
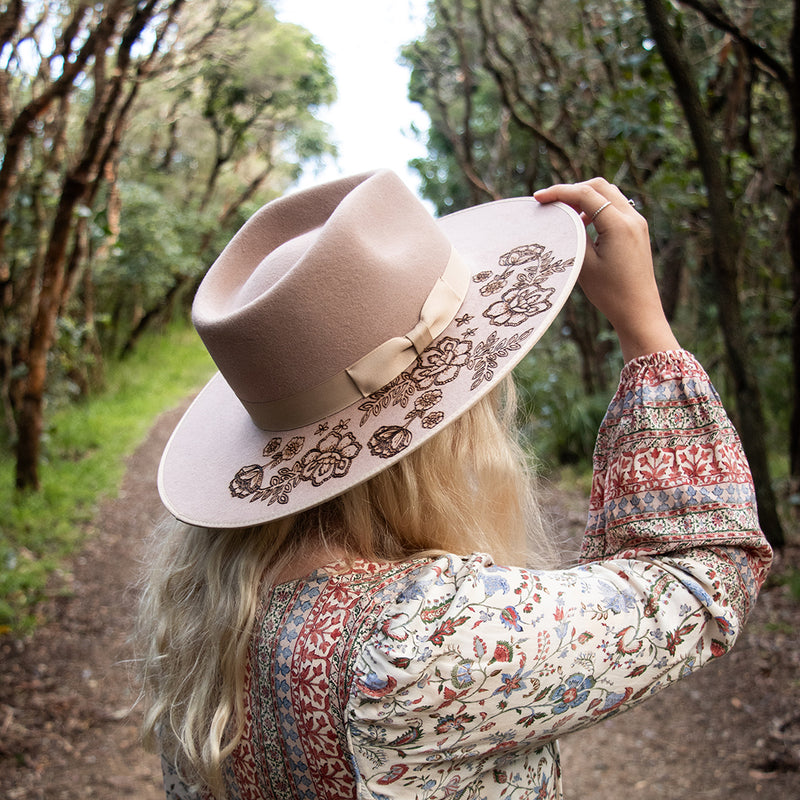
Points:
(418, 388)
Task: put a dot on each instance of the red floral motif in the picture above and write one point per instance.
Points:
(377, 690)
(627, 642)
(718, 648)
(674, 638)
(451, 722)
(447, 628)
(394, 774)
(503, 652)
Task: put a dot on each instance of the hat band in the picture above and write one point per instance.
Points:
(377, 368)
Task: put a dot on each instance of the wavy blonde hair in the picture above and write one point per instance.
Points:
(468, 489)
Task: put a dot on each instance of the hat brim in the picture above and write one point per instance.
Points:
(219, 470)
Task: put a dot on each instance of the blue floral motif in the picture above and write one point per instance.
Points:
(462, 676)
(571, 693)
(494, 583)
(619, 602)
(541, 789)
(510, 618)
(512, 683)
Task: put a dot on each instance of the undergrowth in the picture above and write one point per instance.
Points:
(84, 451)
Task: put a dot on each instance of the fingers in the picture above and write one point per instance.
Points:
(592, 199)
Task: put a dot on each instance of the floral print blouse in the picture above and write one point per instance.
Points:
(455, 677)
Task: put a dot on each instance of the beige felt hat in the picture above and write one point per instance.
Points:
(348, 327)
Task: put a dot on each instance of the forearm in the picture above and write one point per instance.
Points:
(647, 333)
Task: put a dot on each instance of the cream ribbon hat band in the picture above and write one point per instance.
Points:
(377, 367)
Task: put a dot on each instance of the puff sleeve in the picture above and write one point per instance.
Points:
(474, 670)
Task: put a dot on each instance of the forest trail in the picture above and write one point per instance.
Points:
(728, 732)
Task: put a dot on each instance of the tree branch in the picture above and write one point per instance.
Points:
(720, 20)
(507, 79)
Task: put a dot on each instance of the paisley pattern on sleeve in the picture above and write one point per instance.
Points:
(670, 473)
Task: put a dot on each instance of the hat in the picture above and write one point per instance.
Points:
(349, 326)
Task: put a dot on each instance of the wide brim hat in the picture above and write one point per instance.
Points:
(349, 326)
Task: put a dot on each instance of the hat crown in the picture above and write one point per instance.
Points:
(271, 269)
(316, 280)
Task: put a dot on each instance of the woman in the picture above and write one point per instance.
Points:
(360, 600)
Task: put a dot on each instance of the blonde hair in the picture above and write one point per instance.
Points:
(468, 489)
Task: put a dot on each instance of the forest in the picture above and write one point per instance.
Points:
(138, 136)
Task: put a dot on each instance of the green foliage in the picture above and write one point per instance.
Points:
(156, 250)
(558, 419)
(267, 77)
(523, 93)
(224, 120)
(85, 450)
(248, 104)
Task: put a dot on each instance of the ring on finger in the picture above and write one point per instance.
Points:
(602, 208)
(632, 202)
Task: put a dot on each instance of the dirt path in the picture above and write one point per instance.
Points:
(65, 730)
(729, 732)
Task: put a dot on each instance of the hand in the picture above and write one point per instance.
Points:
(617, 274)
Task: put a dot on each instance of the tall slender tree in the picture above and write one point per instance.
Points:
(114, 84)
(786, 74)
(723, 260)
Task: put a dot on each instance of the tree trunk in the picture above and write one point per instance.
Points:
(726, 238)
(673, 258)
(788, 78)
(29, 422)
(19, 132)
(103, 128)
(794, 250)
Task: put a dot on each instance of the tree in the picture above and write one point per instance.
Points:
(234, 122)
(114, 28)
(71, 79)
(782, 70)
(558, 93)
(724, 258)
